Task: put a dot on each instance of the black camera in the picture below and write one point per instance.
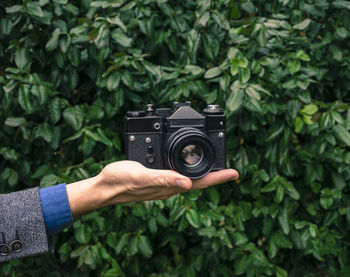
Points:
(177, 138)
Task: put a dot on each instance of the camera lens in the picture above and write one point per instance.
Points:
(192, 155)
(189, 152)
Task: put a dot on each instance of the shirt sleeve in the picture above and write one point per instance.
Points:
(56, 209)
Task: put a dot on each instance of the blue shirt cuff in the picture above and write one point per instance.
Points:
(56, 209)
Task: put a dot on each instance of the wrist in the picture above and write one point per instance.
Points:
(85, 196)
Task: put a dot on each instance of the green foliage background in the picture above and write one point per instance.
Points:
(69, 70)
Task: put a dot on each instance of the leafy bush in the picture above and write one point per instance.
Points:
(71, 69)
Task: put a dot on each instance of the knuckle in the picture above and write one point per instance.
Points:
(163, 181)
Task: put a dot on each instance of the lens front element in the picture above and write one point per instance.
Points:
(190, 152)
(192, 155)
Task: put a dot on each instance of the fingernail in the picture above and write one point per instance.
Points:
(183, 183)
(235, 176)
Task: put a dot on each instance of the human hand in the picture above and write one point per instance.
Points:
(129, 181)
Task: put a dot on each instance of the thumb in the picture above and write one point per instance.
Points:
(170, 178)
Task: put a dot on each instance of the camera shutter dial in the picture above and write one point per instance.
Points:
(213, 109)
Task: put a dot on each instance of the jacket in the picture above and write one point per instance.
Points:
(22, 225)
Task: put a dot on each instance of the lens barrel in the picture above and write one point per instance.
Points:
(190, 152)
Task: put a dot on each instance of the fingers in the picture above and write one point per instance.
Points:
(215, 178)
(169, 178)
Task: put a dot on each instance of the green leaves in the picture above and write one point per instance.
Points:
(34, 9)
(193, 218)
(15, 121)
(44, 130)
(53, 42)
(145, 247)
(71, 70)
(74, 117)
(244, 75)
(21, 58)
(121, 39)
(328, 196)
(342, 134)
(235, 100)
(293, 66)
(212, 72)
(302, 25)
(339, 4)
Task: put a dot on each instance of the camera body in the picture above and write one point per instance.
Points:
(177, 138)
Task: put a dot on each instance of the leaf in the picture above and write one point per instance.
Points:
(244, 75)
(193, 218)
(33, 8)
(63, 2)
(225, 81)
(117, 21)
(212, 72)
(21, 58)
(310, 109)
(326, 201)
(203, 19)
(122, 242)
(293, 66)
(74, 117)
(79, 251)
(240, 62)
(280, 240)
(313, 230)
(54, 109)
(15, 121)
(53, 41)
(235, 100)
(259, 258)
(279, 194)
(342, 134)
(13, 9)
(25, 100)
(339, 4)
(194, 69)
(221, 20)
(274, 132)
(145, 246)
(302, 25)
(269, 187)
(113, 81)
(284, 220)
(241, 264)
(44, 131)
(48, 181)
(262, 36)
(280, 272)
(260, 88)
(252, 93)
(298, 125)
(12, 178)
(121, 39)
(239, 238)
(83, 234)
(302, 56)
(103, 138)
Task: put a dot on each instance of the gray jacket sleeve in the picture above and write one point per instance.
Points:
(22, 226)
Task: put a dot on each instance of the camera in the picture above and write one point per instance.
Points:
(177, 138)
